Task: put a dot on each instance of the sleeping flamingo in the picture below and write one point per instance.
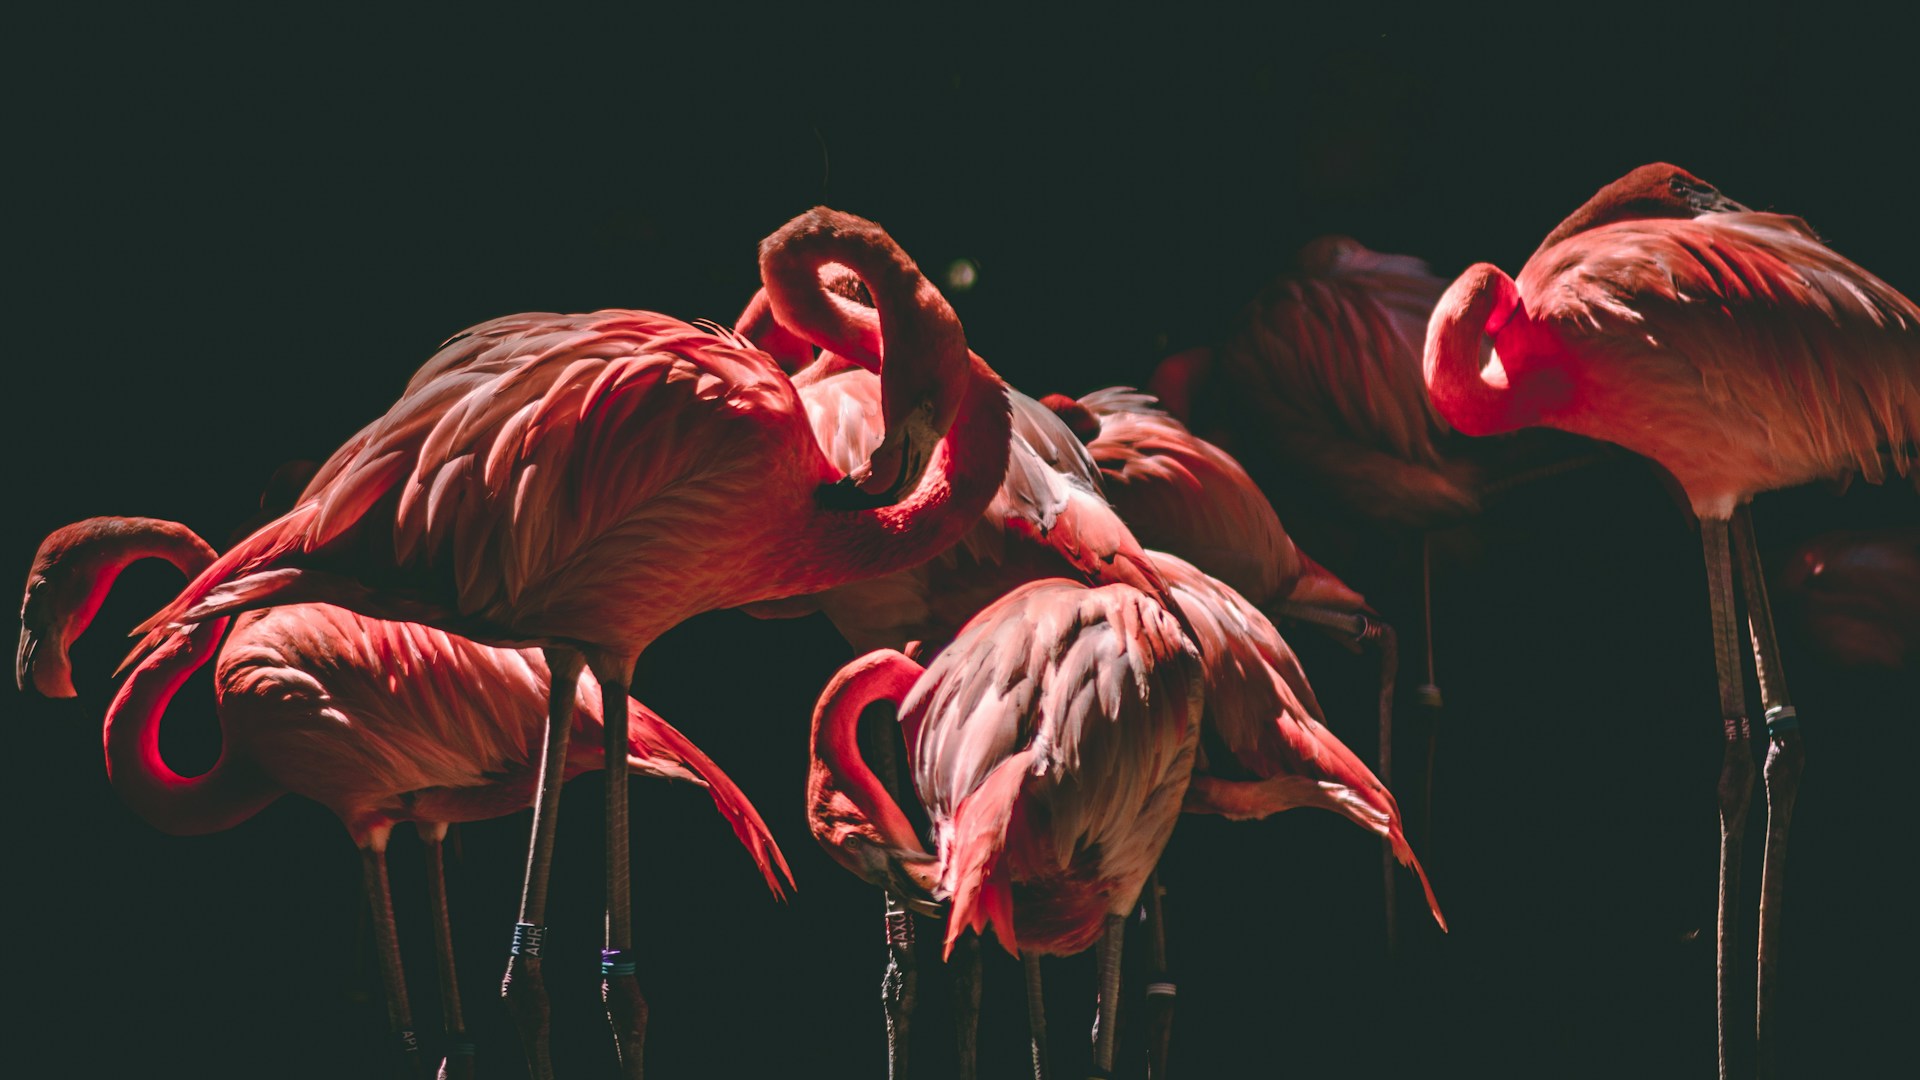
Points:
(1051, 744)
(583, 483)
(380, 722)
(1738, 352)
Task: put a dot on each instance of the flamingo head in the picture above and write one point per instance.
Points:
(1085, 425)
(64, 591)
(1659, 190)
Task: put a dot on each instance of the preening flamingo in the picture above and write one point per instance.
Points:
(1738, 352)
(583, 483)
(1051, 745)
(1048, 519)
(380, 722)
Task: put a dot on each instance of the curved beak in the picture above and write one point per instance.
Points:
(47, 674)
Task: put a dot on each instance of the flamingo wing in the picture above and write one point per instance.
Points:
(1748, 312)
(1053, 738)
(530, 447)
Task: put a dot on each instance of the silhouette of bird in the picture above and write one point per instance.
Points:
(1738, 352)
(380, 722)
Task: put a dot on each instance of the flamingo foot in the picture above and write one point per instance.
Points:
(525, 991)
(626, 1010)
(1785, 761)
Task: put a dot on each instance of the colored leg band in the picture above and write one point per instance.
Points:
(1782, 719)
(528, 939)
(460, 1049)
(1161, 989)
(409, 1042)
(616, 962)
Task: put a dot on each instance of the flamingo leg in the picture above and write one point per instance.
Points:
(898, 986)
(458, 1064)
(1160, 985)
(1106, 1028)
(373, 862)
(1427, 695)
(1036, 1014)
(619, 987)
(1785, 760)
(966, 1004)
(524, 988)
(1357, 630)
(1736, 768)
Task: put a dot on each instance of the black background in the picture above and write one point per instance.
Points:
(234, 237)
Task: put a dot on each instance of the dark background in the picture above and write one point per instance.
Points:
(233, 239)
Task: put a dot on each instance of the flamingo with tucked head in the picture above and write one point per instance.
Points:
(1738, 352)
(1051, 742)
(583, 483)
(380, 722)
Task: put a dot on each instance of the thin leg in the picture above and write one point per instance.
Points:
(1389, 648)
(1427, 695)
(524, 987)
(966, 1004)
(1106, 1028)
(373, 862)
(458, 1064)
(619, 988)
(1785, 760)
(1160, 986)
(898, 987)
(1736, 769)
(1036, 1014)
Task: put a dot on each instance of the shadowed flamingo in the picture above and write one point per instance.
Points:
(1738, 352)
(1858, 596)
(586, 482)
(1051, 744)
(379, 722)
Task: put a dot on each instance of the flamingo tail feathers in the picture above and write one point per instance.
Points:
(647, 735)
(975, 875)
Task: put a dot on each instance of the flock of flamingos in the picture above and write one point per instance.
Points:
(1070, 606)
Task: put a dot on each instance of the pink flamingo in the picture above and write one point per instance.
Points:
(1048, 519)
(1858, 595)
(379, 722)
(1051, 745)
(583, 483)
(1739, 353)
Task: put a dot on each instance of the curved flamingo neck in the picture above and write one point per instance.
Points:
(837, 767)
(1476, 306)
(220, 798)
(758, 325)
(967, 469)
(99, 549)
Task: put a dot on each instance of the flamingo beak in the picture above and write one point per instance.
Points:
(892, 470)
(48, 675)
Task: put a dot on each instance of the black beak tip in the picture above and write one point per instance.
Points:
(845, 495)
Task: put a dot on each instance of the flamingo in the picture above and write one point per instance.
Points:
(1858, 595)
(1739, 353)
(380, 722)
(1051, 744)
(1048, 519)
(583, 483)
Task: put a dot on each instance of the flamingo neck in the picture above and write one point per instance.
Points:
(104, 547)
(220, 798)
(1474, 400)
(842, 790)
(967, 469)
